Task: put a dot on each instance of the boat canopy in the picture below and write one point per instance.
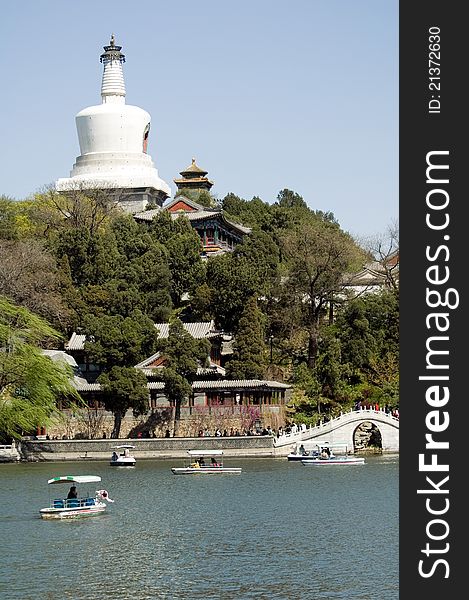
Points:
(75, 479)
(337, 445)
(205, 452)
(122, 446)
(313, 443)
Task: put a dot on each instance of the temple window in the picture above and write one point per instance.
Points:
(145, 138)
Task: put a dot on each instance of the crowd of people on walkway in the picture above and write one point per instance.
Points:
(362, 405)
(234, 432)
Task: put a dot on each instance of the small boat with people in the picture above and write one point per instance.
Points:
(324, 455)
(76, 505)
(204, 461)
(123, 456)
(306, 450)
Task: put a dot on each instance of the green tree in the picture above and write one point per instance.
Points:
(118, 341)
(233, 280)
(249, 356)
(177, 389)
(124, 388)
(201, 300)
(30, 383)
(183, 247)
(306, 395)
(262, 257)
(289, 199)
(139, 277)
(368, 330)
(317, 254)
(92, 257)
(183, 355)
(14, 221)
(253, 213)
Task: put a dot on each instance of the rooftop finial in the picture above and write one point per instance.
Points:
(112, 52)
(193, 161)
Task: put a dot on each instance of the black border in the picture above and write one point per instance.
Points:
(419, 133)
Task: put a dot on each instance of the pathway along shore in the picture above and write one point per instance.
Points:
(256, 446)
(153, 448)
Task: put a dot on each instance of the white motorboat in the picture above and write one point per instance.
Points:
(325, 456)
(204, 461)
(85, 504)
(121, 457)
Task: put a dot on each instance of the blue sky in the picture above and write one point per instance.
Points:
(265, 94)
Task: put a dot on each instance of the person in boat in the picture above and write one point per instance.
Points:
(302, 450)
(114, 455)
(72, 493)
(214, 462)
(325, 453)
(201, 461)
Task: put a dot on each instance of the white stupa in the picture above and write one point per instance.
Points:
(113, 139)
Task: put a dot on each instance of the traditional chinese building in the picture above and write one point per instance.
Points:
(217, 233)
(375, 276)
(193, 178)
(234, 401)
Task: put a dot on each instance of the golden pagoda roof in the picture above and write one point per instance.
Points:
(193, 168)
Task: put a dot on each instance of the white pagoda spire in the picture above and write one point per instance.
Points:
(113, 86)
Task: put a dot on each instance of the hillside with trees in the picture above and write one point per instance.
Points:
(80, 264)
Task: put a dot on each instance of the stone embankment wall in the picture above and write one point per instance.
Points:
(85, 424)
(156, 448)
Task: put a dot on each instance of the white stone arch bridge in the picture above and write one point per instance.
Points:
(341, 430)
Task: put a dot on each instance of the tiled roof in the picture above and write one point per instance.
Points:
(184, 199)
(207, 213)
(87, 387)
(198, 214)
(189, 181)
(213, 368)
(194, 215)
(147, 215)
(60, 355)
(76, 342)
(238, 384)
(148, 371)
(241, 228)
(193, 168)
(200, 371)
(197, 330)
(155, 385)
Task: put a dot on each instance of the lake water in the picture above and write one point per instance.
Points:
(279, 530)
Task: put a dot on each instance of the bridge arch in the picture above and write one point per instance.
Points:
(367, 435)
